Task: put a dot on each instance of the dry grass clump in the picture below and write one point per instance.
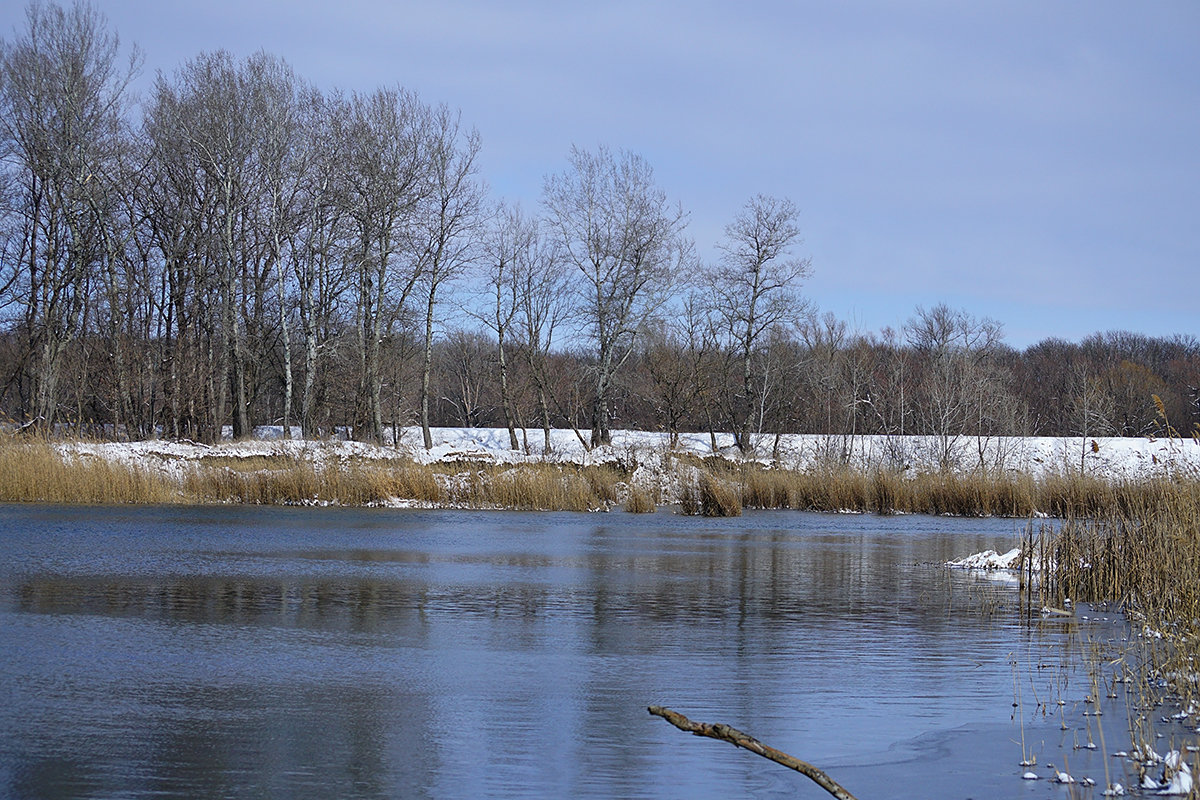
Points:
(530, 487)
(295, 481)
(711, 497)
(888, 491)
(885, 491)
(255, 480)
(640, 501)
(538, 488)
(34, 472)
(975, 494)
(1075, 495)
(839, 488)
(826, 489)
(289, 480)
(1144, 552)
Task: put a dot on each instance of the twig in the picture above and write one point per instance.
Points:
(739, 739)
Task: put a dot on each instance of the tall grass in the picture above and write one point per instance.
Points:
(33, 471)
(531, 487)
(711, 496)
(888, 491)
(36, 471)
(295, 481)
(641, 500)
(1142, 554)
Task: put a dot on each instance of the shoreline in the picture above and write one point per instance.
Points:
(471, 469)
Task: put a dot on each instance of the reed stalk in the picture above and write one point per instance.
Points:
(38, 471)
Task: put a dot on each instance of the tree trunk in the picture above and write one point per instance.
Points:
(287, 362)
(505, 398)
(308, 401)
(427, 369)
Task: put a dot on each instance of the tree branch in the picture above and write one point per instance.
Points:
(739, 739)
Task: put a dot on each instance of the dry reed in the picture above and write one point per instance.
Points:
(36, 471)
(711, 497)
(1142, 554)
(640, 500)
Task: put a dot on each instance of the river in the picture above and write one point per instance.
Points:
(232, 652)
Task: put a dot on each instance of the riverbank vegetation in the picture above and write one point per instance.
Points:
(35, 470)
(1141, 554)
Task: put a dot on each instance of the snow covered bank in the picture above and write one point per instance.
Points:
(476, 468)
(1107, 458)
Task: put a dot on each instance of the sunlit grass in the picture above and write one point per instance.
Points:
(529, 487)
(37, 471)
(33, 471)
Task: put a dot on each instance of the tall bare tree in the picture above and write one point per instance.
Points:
(615, 226)
(541, 282)
(282, 173)
(754, 288)
(386, 181)
(206, 111)
(956, 352)
(674, 353)
(509, 237)
(318, 262)
(63, 94)
(449, 222)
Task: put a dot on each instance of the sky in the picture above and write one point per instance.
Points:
(1034, 162)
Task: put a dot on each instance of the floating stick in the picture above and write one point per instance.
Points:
(739, 739)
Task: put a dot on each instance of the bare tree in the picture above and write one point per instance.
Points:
(675, 351)
(826, 340)
(62, 101)
(754, 289)
(464, 366)
(386, 180)
(177, 202)
(283, 167)
(509, 238)
(541, 293)
(956, 354)
(206, 112)
(449, 220)
(320, 244)
(617, 228)
(1091, 407)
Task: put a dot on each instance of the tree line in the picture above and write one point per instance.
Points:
(241, 248)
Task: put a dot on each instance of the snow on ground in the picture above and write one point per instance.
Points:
(1109, 458)
(1114, 458)
(989, 560)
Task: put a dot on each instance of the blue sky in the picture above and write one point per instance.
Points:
(1036, 162)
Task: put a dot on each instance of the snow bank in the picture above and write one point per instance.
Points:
(1108, 458)
(989, 560)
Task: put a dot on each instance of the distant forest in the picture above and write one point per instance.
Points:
(240, 248)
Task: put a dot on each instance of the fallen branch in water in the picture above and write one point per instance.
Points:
(739, 739)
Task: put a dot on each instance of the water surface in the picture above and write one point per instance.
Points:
(239, 652)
